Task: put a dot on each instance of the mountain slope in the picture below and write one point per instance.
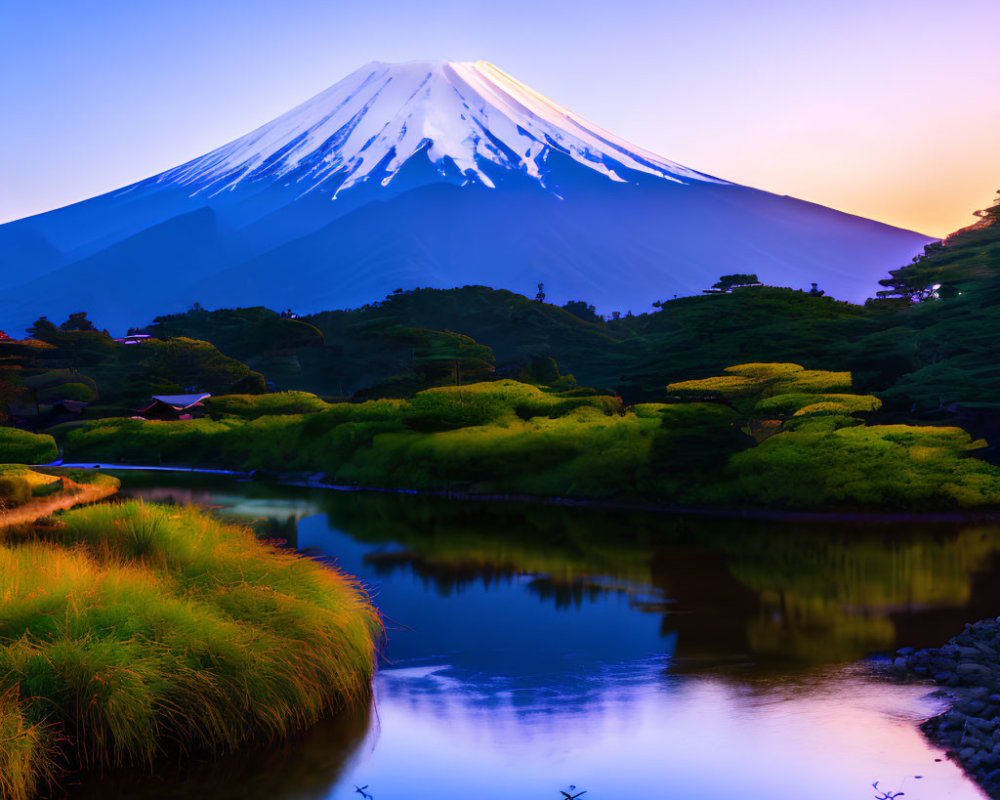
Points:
(431, 174)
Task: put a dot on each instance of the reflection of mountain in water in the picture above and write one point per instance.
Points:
(532, 646)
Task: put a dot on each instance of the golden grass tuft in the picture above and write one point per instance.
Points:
(133, 631)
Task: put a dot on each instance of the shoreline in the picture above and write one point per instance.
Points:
(202, 590)
(74, 494)
(967, 670)
(787, 515)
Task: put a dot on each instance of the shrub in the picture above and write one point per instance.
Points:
(71, 391)
(22, 447)
(784, 405)
(765, 371)
(251, 406)
(888, 466)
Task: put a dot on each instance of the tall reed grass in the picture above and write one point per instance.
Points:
(132, 631)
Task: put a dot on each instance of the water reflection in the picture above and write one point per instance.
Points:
(302, 768)
(632, 655)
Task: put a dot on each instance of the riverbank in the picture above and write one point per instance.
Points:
(132, 632)
(65, 493)
(316, 481)
(803, 447)
(968, 669)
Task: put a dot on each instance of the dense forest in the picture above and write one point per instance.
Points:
(922, 353)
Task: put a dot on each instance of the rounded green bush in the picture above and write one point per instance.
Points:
(23, 447)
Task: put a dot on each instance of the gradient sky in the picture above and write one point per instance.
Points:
(884, 108)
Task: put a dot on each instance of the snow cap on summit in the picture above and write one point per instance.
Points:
(464, 115)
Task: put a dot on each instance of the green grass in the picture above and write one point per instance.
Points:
(507, 437)
(129, 632)
(19, 484)
(23, 447)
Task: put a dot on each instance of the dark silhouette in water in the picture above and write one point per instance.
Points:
(885, 794)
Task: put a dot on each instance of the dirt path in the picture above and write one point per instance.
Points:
(74, 494)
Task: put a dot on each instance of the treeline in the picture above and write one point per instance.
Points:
(771, 435)
(919, 357)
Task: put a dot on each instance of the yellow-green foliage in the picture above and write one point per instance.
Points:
(251, 406)
(134, 631)
(894, 466)
(810, 380)
(23, 447)
(824, 407)
(766, 371)
(583, 452)
(783, 405)
(31, 477)
(824, 457)
(18, 485)
(764, 391)
(450, 407)
(507, 436)
(725, 385)
(765, 380)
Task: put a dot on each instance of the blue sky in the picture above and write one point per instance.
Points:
(883, 108)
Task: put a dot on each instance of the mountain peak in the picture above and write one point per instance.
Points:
(465, 117)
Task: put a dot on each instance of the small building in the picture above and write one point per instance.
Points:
(63, 411)
(173, 406)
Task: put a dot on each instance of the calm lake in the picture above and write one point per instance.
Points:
(533, 648)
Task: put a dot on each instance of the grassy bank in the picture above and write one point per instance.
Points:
(130, 631)
(19, 485)
(27, 495)
(770, 435)
(23, 447)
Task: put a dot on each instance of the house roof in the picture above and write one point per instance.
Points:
(73, 406)
(181, 401)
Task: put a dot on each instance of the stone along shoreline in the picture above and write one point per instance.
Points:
(968, 669)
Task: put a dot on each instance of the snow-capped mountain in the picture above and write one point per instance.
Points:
(425, 174)
(464, 116)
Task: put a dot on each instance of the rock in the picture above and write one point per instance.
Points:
(966, 753)
(899, 664)
(969, 670)
(972, 707)
(987, 650)
(905, 651)
(983, 725)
